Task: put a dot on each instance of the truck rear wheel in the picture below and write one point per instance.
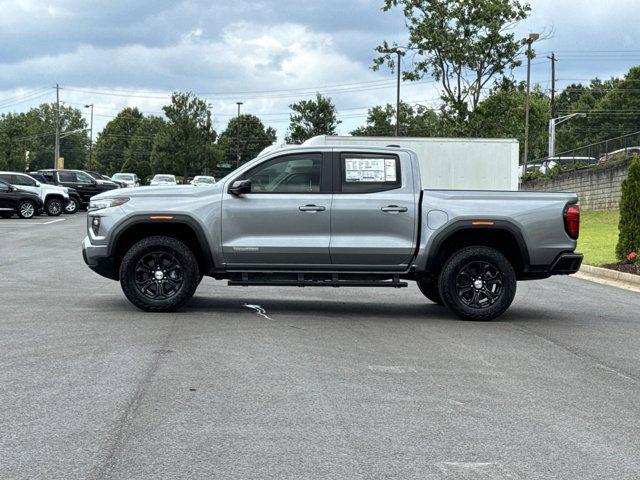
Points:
(430, 290)
(477, 283)
(159, 274)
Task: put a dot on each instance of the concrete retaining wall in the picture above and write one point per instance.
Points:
(598, 188)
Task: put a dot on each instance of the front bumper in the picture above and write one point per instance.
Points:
(95, 256)
(566, 264)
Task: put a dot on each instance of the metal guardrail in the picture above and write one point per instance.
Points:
(592, 155)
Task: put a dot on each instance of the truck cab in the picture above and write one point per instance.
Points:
(332, 216)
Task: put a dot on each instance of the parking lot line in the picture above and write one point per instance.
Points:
(14, 223)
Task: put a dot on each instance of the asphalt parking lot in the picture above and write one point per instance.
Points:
(325, 383)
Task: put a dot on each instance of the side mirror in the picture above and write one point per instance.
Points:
(239, 187)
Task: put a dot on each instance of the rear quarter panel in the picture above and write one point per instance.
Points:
(538, 216)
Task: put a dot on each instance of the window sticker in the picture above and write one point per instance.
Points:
(378, 170)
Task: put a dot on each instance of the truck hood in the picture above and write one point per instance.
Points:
(159, 191)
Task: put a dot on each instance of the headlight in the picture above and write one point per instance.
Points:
(107, 202)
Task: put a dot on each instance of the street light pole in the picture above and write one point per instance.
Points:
(238, 136)
(398, 94)
(527, 41)
(91, 137)
(552, 129)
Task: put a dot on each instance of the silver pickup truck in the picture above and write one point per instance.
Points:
(332, 217)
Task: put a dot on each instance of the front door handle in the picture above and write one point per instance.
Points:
(394, 209)
(312, 208)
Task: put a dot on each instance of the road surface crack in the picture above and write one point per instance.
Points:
(103, 470)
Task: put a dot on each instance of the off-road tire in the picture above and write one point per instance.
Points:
(189, 269)
(22, 212)
(53, 207)
(430, 290)
(454, 267)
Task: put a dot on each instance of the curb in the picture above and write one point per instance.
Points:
(614, 275)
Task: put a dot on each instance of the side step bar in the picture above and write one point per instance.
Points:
(247, 279)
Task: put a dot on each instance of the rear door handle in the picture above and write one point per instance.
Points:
(394, 209)
(312, 208)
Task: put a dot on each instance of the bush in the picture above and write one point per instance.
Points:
(629, 226)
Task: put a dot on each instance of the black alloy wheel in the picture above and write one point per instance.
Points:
(479, 284)
(159, 275)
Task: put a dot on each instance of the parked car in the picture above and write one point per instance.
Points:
(13, 200)
(54, 198)
(127, 179)
(74, 198)
(163, 180)
(333, 217)
(203, 181)
(103, 179)
(85, 185)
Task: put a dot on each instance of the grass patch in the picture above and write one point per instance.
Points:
(598, 236)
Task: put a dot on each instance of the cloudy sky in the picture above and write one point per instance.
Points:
(266, 53)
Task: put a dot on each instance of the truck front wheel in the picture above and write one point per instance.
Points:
(159, 274)
(477, 283)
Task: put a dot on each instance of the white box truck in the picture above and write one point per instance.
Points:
(450, 163)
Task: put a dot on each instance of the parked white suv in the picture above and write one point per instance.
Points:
(54, 198)
(162, 179)
(203, 181)
(129, 179)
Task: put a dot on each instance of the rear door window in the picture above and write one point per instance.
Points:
(23, 180)
(369, 173)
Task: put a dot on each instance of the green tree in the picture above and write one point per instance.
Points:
(311, 118)
(629, 226)
(113, 143)
(590, 129)
(501, 115)
(140, 149)
(254, 137)
(34, 132)
(463, 44)
(185, 145)
(416, 121)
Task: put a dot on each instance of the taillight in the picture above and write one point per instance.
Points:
(572, 220)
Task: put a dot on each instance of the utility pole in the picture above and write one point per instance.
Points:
(527, 41)
(238, 136)
(91, 137)
(553, 83)
(56, 152)
(398, 67)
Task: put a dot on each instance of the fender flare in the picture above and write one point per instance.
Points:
(176, 219)
(498, 225)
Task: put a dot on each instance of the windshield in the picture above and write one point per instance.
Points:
(123, 176)
(164, 178)
(205, 180)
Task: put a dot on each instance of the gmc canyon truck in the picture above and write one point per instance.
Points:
(332, 217)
